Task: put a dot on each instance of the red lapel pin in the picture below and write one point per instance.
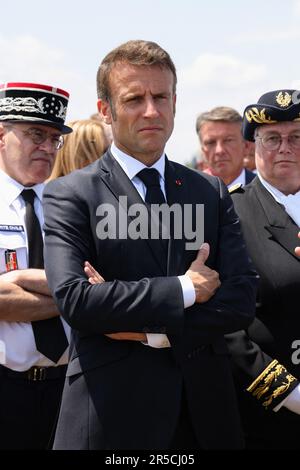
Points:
(178, 182)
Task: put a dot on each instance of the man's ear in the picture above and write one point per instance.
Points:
(248, 148)
(2, 133)
(174, 104)
(104, 111)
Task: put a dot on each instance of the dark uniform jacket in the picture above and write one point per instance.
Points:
(265, 358)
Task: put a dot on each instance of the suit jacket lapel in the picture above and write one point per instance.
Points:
(279, 225)
(120, 185)
(176, 192)
(249, 176)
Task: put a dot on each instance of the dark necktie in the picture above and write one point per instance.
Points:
(154, 195)
(150, 178)
(49, 335)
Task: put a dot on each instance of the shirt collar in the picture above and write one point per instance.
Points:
(11, 189)
(277, 195)
(241, 179)
(291, 202)
(132, 166)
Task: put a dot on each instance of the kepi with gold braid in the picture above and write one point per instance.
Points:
(271, 108)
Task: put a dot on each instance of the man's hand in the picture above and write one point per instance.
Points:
(205, 280)
(95, 278)
(31, 280)
(297, 250)
(129, 336)
(25, 296)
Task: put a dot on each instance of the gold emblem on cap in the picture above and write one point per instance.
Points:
(253, 114)
(283, 99)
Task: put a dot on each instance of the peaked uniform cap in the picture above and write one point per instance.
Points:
(272, 107)
(34, 103)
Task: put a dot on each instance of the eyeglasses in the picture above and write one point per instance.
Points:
(39, 136)
(274, 141)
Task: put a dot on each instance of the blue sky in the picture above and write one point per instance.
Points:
(226, 53)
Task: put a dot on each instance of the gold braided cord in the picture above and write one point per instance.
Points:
(279, 390)
(258, 116)
(265, 372)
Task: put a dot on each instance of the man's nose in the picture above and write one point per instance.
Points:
(150, 108)
(48, 145)
(219, 148)
(284, 144)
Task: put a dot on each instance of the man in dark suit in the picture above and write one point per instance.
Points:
(223, 146)
(149, 367)
(266, 358)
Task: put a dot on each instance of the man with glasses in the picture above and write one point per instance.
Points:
(266, 357)
(32, 335)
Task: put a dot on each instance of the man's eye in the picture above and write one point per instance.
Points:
(134, 98)
(272, 139)
(37, 134)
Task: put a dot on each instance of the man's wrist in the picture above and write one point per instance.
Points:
(188, 291)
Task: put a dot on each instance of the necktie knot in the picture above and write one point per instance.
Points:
(28, 195)
(149, 176)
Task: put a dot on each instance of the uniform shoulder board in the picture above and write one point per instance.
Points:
(236, 188)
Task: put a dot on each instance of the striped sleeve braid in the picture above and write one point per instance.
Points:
(272, 385)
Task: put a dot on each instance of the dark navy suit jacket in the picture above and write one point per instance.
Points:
(123, 394)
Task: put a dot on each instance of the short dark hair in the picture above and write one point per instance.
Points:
(135, 52)
(221, 113)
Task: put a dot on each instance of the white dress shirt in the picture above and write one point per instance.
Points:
(131, 167)
(17, 345)
(291, 202)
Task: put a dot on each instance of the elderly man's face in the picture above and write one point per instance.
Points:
(21, 157)
(279, 166)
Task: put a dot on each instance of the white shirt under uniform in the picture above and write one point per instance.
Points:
(19, 351)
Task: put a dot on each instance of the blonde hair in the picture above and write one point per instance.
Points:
(84, 145)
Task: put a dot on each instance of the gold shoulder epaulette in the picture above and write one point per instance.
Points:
(236, 188)
(272, 385)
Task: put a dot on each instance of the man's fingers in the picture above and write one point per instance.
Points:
(93, 276)
(203, 253)
(128, 336)
(297, 249)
